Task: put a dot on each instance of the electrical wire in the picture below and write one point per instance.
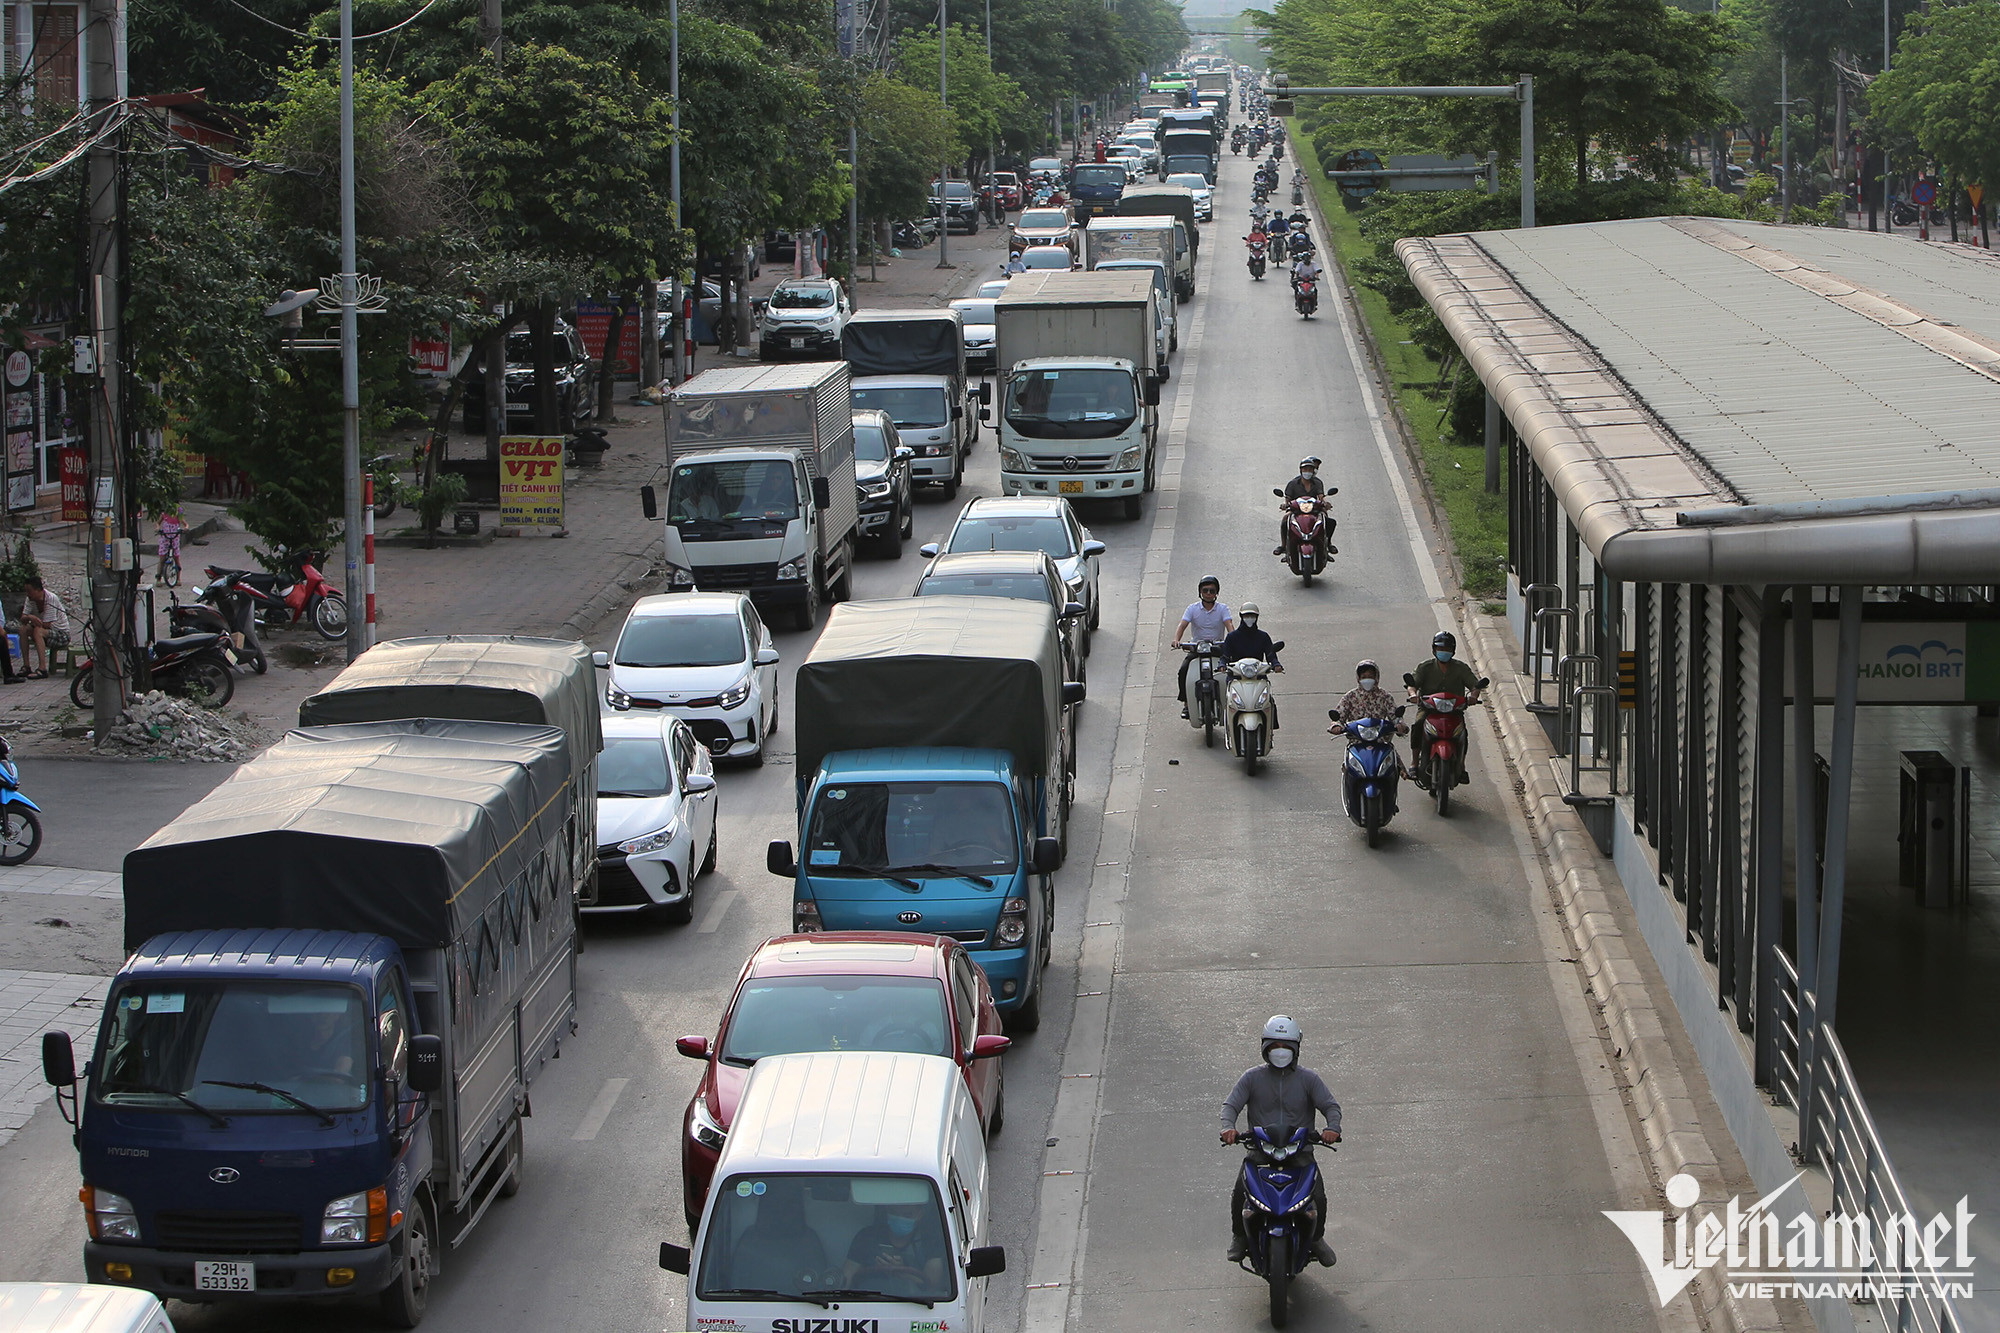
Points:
(315, 37)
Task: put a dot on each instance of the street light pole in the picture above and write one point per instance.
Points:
(350, 345)
(682, 326)
(944, 168)
(1784, 134)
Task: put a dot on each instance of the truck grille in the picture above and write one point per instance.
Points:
(213, 1232)
(1063, 464)
(710, 578)
(966, 936)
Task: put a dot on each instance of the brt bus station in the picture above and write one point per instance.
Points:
(1753, 478)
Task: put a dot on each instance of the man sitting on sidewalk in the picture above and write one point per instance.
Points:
(44, 625)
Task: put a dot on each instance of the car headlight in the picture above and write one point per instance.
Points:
(805, 917)
(1013, 927)
(616, 698)
(734, 695)
(110, 1216)
(651, 842)
(356, 1219)
(707, 1131)
(793, 569)
(678, 577)
(1011, 461)
(1129, 459)
(876, 490)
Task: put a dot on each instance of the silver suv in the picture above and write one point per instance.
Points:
(802, 320)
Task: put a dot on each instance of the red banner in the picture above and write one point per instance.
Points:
(593, 321)
(432, 355)
(75, 485)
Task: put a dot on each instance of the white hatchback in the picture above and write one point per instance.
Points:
(1204, 195)
(705, 657)
(655, 816)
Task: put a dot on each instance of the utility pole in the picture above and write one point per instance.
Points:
(109, 630)
(944, 170)
(682, 326)
(1784, 134)
(350, 344)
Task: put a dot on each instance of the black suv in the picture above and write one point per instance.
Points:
(576, 381)
(961, 206)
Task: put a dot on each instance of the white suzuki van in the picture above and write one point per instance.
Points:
(849, 1198)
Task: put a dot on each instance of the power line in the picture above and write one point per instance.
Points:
(334, 41)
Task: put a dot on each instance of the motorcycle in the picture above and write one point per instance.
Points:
(1249, 715)
(199, 666)
(1278, 1221)
(1259, 193)
(1305, 297)
(281, 602)
(1441, 761)
(1370, 773)
(20, 817)
(1298, 194)
(1308, 531)
(222, 607)
(382, 467)
(1205, 694)
(1236, 144)
(1256, 258)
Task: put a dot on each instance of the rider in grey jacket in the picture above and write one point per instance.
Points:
(1281, 1098)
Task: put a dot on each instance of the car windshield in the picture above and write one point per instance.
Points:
(1096, 175)
(974, 312)
(786, 1015)
(802, 298)
(800, 1235)
(634, 767)
(237, 1047)
(1026, 532)
(862, 828)
(1047, 257)
(728, 498)
(1024, 587)
(1193, 180)
(1071, 404)
(709, 639)
(957, 190)
(871, 444)
(1043, 219)
(921, 406)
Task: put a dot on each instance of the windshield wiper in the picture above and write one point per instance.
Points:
(954, 872)
(815, 1297)
(864, 1293)
(221, 1122)
(867, 872)
(326, 1118)
(631, 795)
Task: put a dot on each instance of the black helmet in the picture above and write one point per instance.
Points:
(1444, 639)
(1365, 667)
(1207, 579)
(1310, 460)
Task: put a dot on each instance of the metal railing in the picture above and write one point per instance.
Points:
(1574, 670)
(1602, 701)
(1529, 596)
(1846, 1146)
(1544, 652)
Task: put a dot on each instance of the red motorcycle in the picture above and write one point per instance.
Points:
(283, 602)
(1308, 533)
(1256, 244)
(1305, 297)
(1441, 753)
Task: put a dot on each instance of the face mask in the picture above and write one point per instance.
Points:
(1443, 656)
(1280, 1057)
(900, 1225)
(1249, 622)
(1368, 682)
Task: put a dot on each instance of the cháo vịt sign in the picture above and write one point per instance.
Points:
(531, 481)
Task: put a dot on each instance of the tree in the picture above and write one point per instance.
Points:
(1944, 91)
(904, 134)
(982, 102)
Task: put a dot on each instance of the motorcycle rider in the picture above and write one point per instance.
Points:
(1440, 673)
(1306, 483)
(1366, 699)
(1281, 1098)
(1246, 640)
(1210, 619)
(1305, 268)
(1299, 243)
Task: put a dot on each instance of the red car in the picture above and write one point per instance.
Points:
(841, 990)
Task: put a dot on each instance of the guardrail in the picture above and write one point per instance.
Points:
(1840, 1139)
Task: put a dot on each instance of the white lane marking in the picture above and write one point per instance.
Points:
(717, 909)
(600, 1110)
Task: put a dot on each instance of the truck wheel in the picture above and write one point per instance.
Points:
(806, 617)
(843, 587)
(517, 1149)
(1134, 508)
(1029, 1016)
(404, 1299)
(957, 474)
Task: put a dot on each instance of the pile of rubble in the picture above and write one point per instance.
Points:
(172, 727)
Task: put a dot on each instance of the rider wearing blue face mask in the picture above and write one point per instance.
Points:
(1440, 673)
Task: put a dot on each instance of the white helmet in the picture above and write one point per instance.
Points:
(1282, 1027)
(1250, 609)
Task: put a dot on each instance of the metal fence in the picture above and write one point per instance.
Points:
(1843, 1143)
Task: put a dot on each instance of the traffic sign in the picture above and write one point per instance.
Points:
(1355, 189)
(1924, 192)
(1977, 194)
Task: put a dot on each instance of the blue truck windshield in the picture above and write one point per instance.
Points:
(1098, 178)
(862, 828)
(236, 1047)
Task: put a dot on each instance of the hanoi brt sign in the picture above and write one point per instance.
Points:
(1911, 662)
(531, 481)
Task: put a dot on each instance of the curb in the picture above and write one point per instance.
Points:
(1676, 1139)
(621, 586)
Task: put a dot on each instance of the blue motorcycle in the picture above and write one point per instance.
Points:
(20, 818)
(1278, 1180)
(1369, 776)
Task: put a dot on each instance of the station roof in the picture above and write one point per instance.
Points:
(1718, 401)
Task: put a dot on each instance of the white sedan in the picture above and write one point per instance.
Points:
(655, 816)
(705, 657)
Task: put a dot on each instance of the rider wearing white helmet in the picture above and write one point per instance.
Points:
(1281, 1098)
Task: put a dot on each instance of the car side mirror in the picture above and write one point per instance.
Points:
(928, 550)
(985, 1261)
(58, 1060)
(957, 410)
(767, 657)
(904, 453)
(1048, 856)
(985, 391)
(1071, 610)
(1409, 680)
(1094, 547)
(674, 1258)
(694, 1048)
(1152, 391)
(1072, 693)
(822, 494)
(988, 1046)
(602, 661)
(986, 414)
(697, 784)
(426, 1062)
(649, 502)
(779, 861)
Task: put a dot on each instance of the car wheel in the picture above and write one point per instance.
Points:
(909, 517)
(679, 913)
(756, 759)
(708, 860)
(891, 541)
(998, 1120)
(1029, 1016)
(1093, 613)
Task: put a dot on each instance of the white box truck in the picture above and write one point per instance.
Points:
(1079, 386)
(760, 485)
(1125, 244)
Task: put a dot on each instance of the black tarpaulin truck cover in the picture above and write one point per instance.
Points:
(984, 672)
(904, 342)
(479, 677)
(405, 829)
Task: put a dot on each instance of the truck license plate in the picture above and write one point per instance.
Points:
(1069, 488)
(234, 1276)
(798, 342)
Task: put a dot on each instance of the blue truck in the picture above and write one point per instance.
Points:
(347, 965)
(936, 767)
(1094, 190)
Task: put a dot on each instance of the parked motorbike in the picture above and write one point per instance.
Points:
(1441, 760)
(382, 467)
(199, 666)
(282, 602)
(222, 607)
(1249, 714)
(1904, 214)
(1278, 1221)
(20, 817)
(1205, 688)
(1308, 533)
(1256, 258)
(1371, 772)
(1305, 297)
